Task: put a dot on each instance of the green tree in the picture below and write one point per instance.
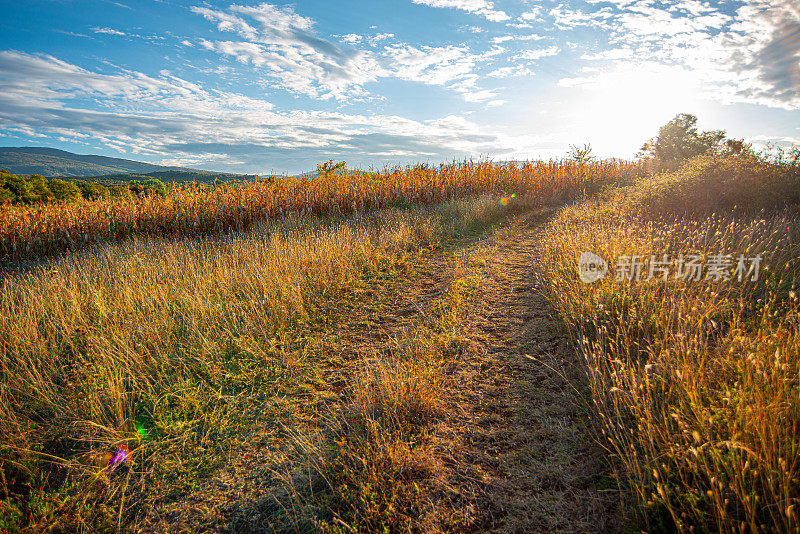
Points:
(17, 187)
(39, 188)
(734, 147)
(63, 190)
(156, 187)
(679, 140)
(150, 187)
(5, 196)
(91, 190)
(119, 191)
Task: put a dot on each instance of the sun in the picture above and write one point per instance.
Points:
(622, 108)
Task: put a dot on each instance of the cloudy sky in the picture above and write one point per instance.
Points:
(278, 87)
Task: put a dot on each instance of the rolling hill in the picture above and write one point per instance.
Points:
(53, 162)
(175, 176)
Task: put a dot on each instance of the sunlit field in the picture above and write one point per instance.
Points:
(400, 267)
(168, 345)
(694, 383)
(193, 210)
(238, 327)
(171, 350)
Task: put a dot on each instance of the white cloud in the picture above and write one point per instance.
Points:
(748, 55)
(477, 7)
(351, 38)
(533, 14)
(567, 18)
(107, 31)
(520, 63)
(278, 41)
(511, 72)
(375, 39)
(503, 38)
(431, 65)
(201, 159)
(168, 117)
(534, 54)
(610, 54)
(280, 46)
(767, 139)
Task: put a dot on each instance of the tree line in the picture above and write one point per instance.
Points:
(16, 189)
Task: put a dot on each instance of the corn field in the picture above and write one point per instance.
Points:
(27, 230)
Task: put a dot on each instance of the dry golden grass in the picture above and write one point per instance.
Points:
(191, 210)
(376, 463)
(176, 348)
(103, 346)
(179, 340)
(695, 383)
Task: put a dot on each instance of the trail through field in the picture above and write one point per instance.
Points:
(523, 457)
(517, 453)
(522, 423)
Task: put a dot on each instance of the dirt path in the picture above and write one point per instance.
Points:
(522, 421)
(519, 457)
(527, 462)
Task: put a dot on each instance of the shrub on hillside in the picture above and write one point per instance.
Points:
(16, 187)
(148, 188)
(92, 191)
(711, 184)
(39, 189)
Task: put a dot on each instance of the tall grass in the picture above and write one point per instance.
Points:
(103, 346)
(379, 462)
(191, 210)
(178, 349)
(695, 384)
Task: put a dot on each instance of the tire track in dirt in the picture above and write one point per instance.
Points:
(522, 423)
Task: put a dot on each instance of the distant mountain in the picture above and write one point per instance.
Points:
(52, 162)
(175, 176)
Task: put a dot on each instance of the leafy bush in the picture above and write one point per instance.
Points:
(679, 140)
(117, 191)
(39, 189)
(92, 191)
(16, 186)
(329, 167)
(36, 188)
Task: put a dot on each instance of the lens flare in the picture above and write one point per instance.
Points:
(141, 431)
(120, 457)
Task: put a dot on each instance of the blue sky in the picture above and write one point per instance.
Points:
(248, 86)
